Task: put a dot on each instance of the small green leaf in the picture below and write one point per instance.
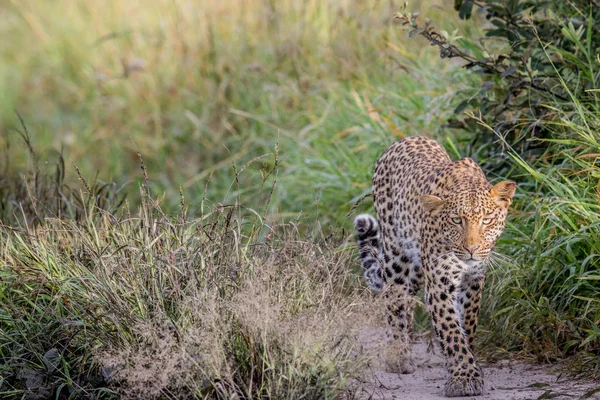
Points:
(465, 10)
(462, 106)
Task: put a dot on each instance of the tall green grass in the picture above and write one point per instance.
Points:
(543, 300)
(197, 86)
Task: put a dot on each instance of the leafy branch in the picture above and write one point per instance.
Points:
(499, 66)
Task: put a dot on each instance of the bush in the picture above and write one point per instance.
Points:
(535, 57)
(149, 306)
(547, 294)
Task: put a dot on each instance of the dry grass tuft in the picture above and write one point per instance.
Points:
(148, 306)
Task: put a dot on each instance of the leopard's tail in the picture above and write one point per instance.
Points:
(369, 249)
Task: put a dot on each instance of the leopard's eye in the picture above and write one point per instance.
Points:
(456, 220)
(487, 221)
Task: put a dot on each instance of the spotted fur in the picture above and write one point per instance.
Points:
(367, 229)
(438, 223)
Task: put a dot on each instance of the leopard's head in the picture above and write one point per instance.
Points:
(471, 218)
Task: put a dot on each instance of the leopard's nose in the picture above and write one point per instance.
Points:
(471, 249)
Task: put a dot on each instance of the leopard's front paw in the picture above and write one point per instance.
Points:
(400, 366)
(464, 386)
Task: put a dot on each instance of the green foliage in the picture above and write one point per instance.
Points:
(535, 56)
(546, 295)
(198, 86)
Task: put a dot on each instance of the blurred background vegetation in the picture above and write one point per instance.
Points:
(139, 127)
(196, 87)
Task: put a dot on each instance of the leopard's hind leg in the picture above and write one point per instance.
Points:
(392, 266)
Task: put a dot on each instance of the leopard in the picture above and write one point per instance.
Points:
(437, 224)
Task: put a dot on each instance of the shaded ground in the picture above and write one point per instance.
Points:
(503, 381)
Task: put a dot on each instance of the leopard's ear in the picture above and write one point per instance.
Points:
(503, 192)
(432, 203)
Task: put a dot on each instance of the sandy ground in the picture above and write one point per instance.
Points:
(503, 381)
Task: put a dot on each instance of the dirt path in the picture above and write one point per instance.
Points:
(503, 381)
